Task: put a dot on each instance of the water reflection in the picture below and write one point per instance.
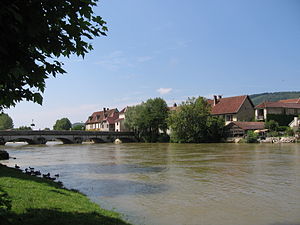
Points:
(179, 183)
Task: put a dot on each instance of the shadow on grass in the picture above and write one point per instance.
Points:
(56, 217)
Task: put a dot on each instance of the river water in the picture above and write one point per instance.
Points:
(162, 184)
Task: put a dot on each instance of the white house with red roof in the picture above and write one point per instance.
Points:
(102, 120)
(282, 107)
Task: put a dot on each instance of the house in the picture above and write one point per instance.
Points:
(289, 107)
(119, 123)
(238, 128)
(237, 108)
(295, 124)
(102, 120)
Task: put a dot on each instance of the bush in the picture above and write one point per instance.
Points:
(282, 128)
(273, 134)
(289, 131)
(251, 137)
(272, 125)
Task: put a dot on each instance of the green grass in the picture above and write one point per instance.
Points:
(37, 201)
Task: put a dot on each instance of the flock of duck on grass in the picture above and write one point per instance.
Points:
(32, 172)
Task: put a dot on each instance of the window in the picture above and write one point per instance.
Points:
(229, 118)
(107, 126)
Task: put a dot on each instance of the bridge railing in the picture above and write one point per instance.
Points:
(64, 132)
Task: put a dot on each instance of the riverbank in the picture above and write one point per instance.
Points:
(25, 199)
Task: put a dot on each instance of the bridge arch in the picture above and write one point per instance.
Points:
(126, 139)
(2, 141)
(21, 139)
(97, 140)
(65, 140)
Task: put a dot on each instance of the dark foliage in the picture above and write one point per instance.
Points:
(282, 120)
(34, 34)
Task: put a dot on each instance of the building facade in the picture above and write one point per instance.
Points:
(102, 120)
(237, 108)
(283, 107)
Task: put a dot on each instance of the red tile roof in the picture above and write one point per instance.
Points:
(248, 125)
(120, 119)
(224, 105)
(100, 116)
(293, 100)
(278, 105)
(228, 105)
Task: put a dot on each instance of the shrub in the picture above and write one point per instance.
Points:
(289, 131)
(272, 125)
(251, 137)
(273, 134)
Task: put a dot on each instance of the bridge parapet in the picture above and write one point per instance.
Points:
(67, 137)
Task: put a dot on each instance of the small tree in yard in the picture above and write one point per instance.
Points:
(62, 124)
(251, 137)
(272, 125)
(289, 131)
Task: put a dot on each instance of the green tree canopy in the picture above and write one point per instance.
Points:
(148, 118)
(271, 125)
(78, 127)
(24, 128)
(6, 122)
(62, 124)
(34, 34)
(193, 123)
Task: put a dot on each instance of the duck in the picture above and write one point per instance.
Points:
(17, 167)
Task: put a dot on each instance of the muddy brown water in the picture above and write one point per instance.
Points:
(162, 184)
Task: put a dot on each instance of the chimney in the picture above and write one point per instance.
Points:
(104, 110)
(220, 96)
(175, 105)
(215, 100)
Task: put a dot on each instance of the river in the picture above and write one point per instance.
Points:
(191, 184)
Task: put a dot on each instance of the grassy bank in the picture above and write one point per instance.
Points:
(36, 201)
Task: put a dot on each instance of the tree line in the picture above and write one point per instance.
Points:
(6, 123)
(190, 122)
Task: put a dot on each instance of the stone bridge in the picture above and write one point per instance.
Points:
(67, 137)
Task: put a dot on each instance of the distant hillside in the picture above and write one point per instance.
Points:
(273, 97)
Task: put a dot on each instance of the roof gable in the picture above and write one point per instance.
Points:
(278, 105)
(228, 105)
(108, 115)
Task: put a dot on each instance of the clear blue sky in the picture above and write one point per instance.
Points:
(174, 50)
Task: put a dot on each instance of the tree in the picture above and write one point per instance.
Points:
(6, 122)
(34, 34)
(148, 119)
(24, 128)
(78, 127)
(251, 137)
(272, 125)
(62, 124)
(193, 123)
